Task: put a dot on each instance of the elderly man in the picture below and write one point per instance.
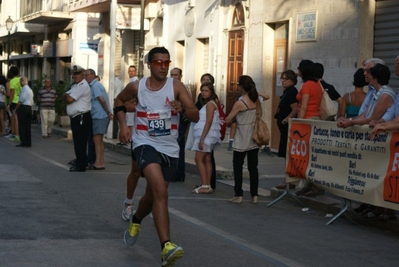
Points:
(376, 103)
(159, 99)
(47, 96)
(78, 100)
(386, 214)
(24, 112)
(100, 114)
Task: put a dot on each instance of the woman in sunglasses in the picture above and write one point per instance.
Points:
(287, 109)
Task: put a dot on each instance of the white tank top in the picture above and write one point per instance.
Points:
(156, 123)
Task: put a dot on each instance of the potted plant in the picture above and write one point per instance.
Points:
(60, 106)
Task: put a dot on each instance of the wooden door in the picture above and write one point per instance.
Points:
(234, 68)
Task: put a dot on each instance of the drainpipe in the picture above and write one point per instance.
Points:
(111, 69)
(141, 42)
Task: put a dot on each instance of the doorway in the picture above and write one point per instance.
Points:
(279, 66)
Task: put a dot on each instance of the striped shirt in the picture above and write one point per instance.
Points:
(47, 98)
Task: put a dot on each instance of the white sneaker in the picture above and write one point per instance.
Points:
(236, 200)
(127, 210)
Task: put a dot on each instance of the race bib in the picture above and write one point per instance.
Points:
(159, 123)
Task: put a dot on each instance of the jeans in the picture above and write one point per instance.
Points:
(252, 161)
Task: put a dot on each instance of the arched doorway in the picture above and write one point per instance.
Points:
(235, 56)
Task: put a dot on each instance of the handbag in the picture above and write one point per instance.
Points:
(327, 107)
(261, 133)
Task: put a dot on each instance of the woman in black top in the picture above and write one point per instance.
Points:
(287, 108)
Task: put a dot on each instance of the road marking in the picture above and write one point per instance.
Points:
(272, 257)
(67, 167)
(48, 160)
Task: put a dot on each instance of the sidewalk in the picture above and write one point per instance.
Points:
(271, 173)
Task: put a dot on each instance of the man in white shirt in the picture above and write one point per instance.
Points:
(24, 113)
(78, 100)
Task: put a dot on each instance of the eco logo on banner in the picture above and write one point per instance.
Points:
(298, 150)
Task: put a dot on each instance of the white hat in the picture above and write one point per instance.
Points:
(77, 68)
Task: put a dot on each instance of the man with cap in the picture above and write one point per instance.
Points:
(78, 100)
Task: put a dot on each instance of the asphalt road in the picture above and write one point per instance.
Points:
(51, 217)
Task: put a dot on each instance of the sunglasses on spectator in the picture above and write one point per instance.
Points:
(160, 63)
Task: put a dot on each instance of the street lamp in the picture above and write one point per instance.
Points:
(9, 24)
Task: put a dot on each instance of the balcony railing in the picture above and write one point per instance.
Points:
(34, 6)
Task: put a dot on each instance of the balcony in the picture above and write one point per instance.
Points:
(97, 6)
(45, 11)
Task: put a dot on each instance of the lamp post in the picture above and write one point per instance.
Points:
(9, 24)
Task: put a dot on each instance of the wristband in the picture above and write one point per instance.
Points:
(120, 108)
(183, 109)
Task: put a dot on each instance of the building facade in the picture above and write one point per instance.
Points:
(226, 38)
(263, 38)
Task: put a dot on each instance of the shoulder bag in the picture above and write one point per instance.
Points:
(327, 107)
(261, 134)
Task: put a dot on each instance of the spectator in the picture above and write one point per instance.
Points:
(309, 98)
(3, 94)
(207, 137)
(233, 126)
(78, 100)
(244, 114)
(47, 96)
(207, 77)
(332, 93)
(352, 101)
(384, 97)
(370, 211)
(100, 114)
(15, 89)
(180, 174)
(118, 87)
(287, 109)
(24, 112)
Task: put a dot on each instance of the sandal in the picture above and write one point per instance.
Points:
(301, 192)
(282, 186)
(197, 190)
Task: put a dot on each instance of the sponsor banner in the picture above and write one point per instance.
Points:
(345, 162)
